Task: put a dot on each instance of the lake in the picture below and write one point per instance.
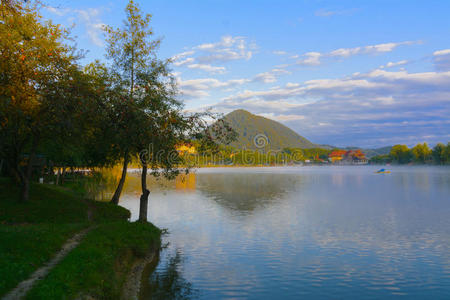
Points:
(300, 232)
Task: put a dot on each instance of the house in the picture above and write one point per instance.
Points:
(336, 156)
(350, 157)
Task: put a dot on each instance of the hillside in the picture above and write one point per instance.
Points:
(378, 151)
(249, 126)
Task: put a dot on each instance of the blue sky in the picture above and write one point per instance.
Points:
(362, 73)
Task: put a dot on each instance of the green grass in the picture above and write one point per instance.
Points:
(31, 233)
(53, 204)
(47, 204)
(99, 265)
(24, 248)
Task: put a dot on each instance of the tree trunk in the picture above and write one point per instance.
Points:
(25, 188)
(116, 196)
(63, 173)
(57, 176)
(143, 205)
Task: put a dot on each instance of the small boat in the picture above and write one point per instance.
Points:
(383, 171)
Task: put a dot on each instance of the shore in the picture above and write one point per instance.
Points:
(32, 234)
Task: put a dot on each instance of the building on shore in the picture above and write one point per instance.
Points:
(348, 157)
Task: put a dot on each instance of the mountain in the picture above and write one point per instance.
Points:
(255, 130)
(378, 151)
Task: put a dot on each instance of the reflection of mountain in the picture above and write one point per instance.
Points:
(245, 192)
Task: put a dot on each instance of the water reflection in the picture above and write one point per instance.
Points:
(246, 192)
(328, 232)
(165, 280)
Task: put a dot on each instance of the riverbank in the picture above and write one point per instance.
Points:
(32, 233)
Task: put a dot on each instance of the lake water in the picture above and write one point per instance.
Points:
(301, 232)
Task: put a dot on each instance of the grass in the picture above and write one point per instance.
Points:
(31, 233)
(24, 248)
(99, 265)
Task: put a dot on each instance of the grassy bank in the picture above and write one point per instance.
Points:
(31, 233)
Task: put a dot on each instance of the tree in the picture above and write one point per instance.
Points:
(401, 154)
(381, 159)
(34, 61)
(79, 117)
(131, 50)
(421, 153)
(151, 123)
(439, 153)
(447, 153)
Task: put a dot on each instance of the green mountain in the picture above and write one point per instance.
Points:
(378, 151)
(256, 132)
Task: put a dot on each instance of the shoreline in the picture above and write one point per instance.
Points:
(134, 281)
(114, 247)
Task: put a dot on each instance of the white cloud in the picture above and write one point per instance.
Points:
(442, 60)
(182, 55)
(207, 68)
(441, 52)
(403, 79)
(270, 76)
(394, 64)
(178, 62)
(206, 56)
(372, 49)
(90, 19)
(265, 77)
(58, 11)
(283, 118)
(200, 87)
(363, 109)
(227, 49)
(316, 58)
(310, 59)
(93, 25)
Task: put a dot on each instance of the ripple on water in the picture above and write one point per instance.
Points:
(309, 232)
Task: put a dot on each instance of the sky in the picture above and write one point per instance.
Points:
(343, 73)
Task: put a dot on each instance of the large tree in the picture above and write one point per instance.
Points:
(34, 60)
(152, 123)
(131, 50)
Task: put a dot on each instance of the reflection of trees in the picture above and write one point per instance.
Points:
(245, 191)
(167, 282)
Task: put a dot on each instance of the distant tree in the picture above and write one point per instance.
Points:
(439, 153)
(401, 154)
(447, 153)
(381, 159)
(421, 153)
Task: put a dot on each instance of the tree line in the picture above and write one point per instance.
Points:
(419, 154)
(96, 115)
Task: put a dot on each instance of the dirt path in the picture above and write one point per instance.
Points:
(22, 289)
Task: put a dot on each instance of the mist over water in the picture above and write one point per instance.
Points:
(288, 232)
